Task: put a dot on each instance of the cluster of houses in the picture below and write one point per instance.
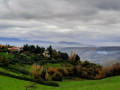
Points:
(46, 54)
(15, 48)
(1, 46)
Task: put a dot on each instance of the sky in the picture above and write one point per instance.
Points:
(95, 22)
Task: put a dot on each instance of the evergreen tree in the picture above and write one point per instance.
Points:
(50, 50)
(77, 58)
(37, 49)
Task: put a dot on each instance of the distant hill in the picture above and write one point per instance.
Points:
(19, 42)
(9, 39)
(74, 44)
(70, 43)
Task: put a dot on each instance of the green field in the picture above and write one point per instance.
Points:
(21, 67)
(55, 65)
(112, 83)
(8, 83)
(7, 55)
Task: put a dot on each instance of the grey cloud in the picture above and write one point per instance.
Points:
(87, 21)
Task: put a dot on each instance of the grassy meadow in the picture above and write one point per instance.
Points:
(6, 55)
(112, 83)
(55, 65)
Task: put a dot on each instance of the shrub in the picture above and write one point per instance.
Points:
(78, 70)
(51, 70)
(57, 76)
(70, 71)
(109, 71)
(43, 74)
(46, 76)
(60, 70)
(4, 61)
(84, 74)
(63, 71)
(35, 71)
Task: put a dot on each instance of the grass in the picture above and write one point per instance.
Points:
(55, 65)
(7, 55)
(8, 83)
(21, 67)
(112, 83)
(7, 70)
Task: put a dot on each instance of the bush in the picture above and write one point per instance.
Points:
(57, 76)
(60, 70)
(63, 71)
(46, 76)
(78, 70)
(51, 70)
(70, 71)
(109, 71)
(35, 71)
(43, 74)
(4, 61)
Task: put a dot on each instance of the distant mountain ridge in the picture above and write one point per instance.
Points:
(75, 44)
(9, 39)
(59, 44)
(19, 40)
(70, 43)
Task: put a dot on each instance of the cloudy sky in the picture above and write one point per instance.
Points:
(94, 22)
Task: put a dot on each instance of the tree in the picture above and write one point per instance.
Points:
(43, 74)
(72, 56)
(32, 48)
(35, 71)
(26, 47)
(77, 58)
(37, 49)
(50, 50)
(42, 50)
(64, 56)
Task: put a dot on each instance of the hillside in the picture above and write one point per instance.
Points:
(47, 68)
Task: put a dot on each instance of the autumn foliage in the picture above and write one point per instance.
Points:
(57, 76)
(109, 71)
(35, 71)
(51, 70)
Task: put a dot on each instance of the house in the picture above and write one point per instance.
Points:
(15, 49)
(46, 54)
(1, 46)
